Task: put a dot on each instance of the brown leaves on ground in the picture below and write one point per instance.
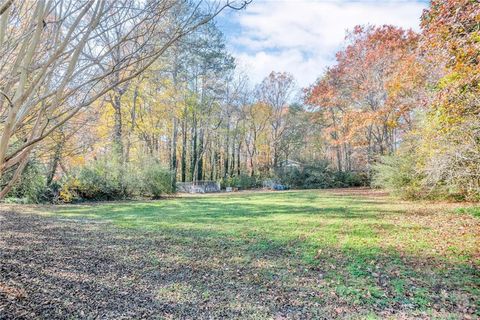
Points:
(53, 268)
(11, 292)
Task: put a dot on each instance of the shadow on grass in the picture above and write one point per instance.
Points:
(222, 210)
(93, 270)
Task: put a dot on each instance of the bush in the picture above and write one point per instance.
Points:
(346, 179)
(411, 174)
(398, 174)
(102, 179)
(242, 182)
(31, 186)
(452, 159)
(69, 190)
(105, 179)
(156, 180)
(319, 175)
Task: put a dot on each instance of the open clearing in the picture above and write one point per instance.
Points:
(286, 255)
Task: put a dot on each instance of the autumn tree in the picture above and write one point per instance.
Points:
(450, 144)
(440, 156)
(53, 63)
(357, 95)
(275, 91)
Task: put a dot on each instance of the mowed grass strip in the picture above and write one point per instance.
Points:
(343, 252)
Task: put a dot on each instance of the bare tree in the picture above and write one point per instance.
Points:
(276, 91)
(59, 56)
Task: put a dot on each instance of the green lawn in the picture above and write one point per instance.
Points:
(346, 254)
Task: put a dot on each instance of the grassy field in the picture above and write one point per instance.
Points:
(262, 255)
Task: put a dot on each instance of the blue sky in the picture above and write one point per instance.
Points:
(302, 36)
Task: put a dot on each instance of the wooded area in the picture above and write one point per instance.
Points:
(118, 99)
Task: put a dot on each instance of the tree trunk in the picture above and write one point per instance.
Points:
(199, 163)
(173, 157)
(117, 126)
(133, 120)
(238, 157)
(226, 151)
(55, 161)
(193, 155)
(232, 166)
(184, 150)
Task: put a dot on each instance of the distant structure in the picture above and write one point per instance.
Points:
(271, 184)
(290, 164)
(198, 187)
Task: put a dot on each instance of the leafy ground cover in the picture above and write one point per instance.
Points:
(354, 254)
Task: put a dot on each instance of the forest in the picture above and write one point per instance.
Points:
(354, 195)
(94, 107)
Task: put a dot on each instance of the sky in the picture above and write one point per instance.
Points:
(302, 36)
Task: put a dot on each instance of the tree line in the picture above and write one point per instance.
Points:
(406, 106)
(112, 99)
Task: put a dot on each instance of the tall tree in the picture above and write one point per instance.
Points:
(276, 91)
(60, 66)
(366, 118)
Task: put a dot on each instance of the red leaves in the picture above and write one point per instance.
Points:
(364, 92)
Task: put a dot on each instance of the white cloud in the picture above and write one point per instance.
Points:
(302, 36)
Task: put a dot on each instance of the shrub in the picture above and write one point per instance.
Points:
(107, 179)
(96, 182)
(31, 186)
(319, 175)
(398, 174)
(103, 179)
(242, 181)
(51, 193)
(345, 179)
(412, 175)
(156, 180)
(69, 190)
(452, 159)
